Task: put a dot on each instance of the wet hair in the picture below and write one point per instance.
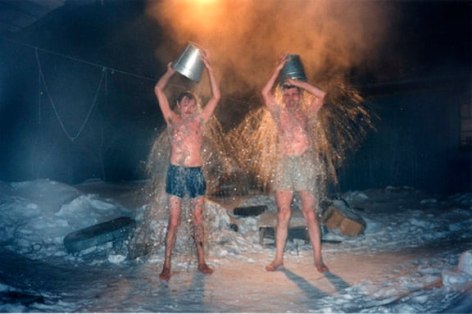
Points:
(190, 96)
(279, 92)
(182, 95)
(288, 86)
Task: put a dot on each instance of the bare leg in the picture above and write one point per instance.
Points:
(308, 209)
(173, 224)
(199, 234)
(284, 200)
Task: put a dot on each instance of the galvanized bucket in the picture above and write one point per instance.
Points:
(293, 69)
(190, 63)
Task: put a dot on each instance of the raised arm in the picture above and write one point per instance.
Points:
(215, 89)
(318, 94)
(267, 93)
(161, 96)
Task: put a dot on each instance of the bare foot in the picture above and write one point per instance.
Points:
(274, 266)
(165, 274)
(204, 268)
(321, 267)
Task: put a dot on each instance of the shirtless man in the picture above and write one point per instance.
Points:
(184, 176)
(295, 169)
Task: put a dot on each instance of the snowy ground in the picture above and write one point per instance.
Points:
(415, 256)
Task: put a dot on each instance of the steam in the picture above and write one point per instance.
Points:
(246, 37)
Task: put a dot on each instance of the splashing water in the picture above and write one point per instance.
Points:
(247, 157)
(339, 127)
(343, 124)
(149, 236)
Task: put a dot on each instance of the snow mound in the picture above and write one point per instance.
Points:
(465, 262)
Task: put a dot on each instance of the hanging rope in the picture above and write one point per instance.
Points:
(71, 137)
(112, 70)
(75, 59)
(105, 68)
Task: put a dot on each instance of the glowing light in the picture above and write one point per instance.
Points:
(204, 2)
(245, 37)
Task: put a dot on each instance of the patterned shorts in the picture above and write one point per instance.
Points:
(295, 173)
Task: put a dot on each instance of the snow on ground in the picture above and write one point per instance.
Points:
(414, 256)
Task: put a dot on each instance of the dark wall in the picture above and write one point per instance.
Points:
(76, 94)
(416, 143)
(67, 120)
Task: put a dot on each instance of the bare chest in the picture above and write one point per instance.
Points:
(185, 130)
(292, 122)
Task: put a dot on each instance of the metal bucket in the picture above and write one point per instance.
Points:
(189, 63)
(293, 69)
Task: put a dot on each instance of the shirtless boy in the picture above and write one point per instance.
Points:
(184, 176)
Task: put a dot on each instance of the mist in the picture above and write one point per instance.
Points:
(245, 38)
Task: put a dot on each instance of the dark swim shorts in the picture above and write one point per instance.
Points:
(185, 181)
